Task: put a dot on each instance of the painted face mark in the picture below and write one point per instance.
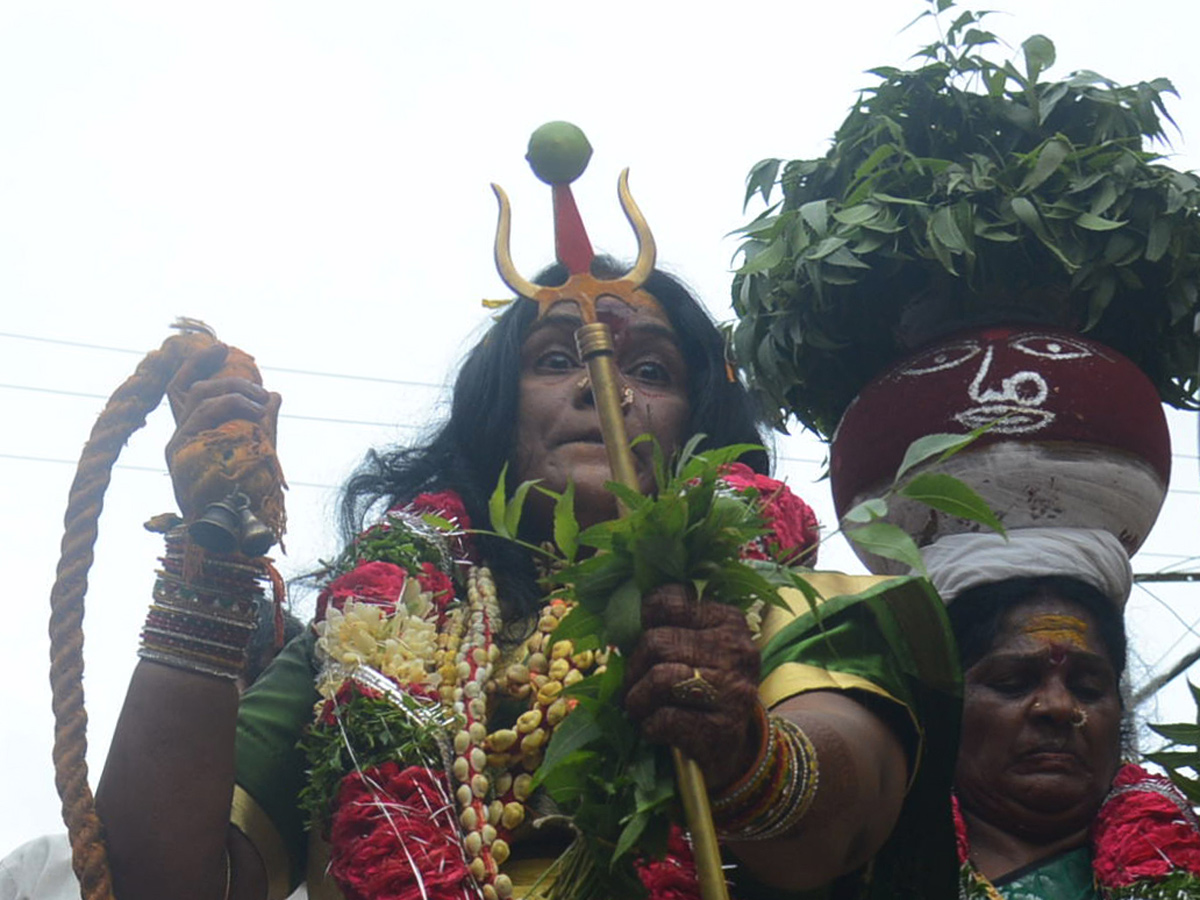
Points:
(616, 314)
(945, 357)
(1059, 632)
(1051, 347)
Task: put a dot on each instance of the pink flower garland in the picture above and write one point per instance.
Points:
(1144, 833)
(394, 836)
(794, 530)
(674, 876)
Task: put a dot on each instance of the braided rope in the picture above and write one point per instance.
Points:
(124, 414)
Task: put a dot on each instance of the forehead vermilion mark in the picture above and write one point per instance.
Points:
(1057, 630)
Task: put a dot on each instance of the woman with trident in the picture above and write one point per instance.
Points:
(434, 672)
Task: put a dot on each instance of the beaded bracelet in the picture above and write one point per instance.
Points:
(205, 611)
(777, 791)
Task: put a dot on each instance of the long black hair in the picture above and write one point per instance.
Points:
(468, 451)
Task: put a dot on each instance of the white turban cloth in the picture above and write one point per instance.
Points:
(958, 562)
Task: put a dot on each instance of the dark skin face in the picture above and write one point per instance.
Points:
(558, 431)
(1041, 726)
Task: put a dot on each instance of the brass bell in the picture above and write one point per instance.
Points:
(257, 538)
(220, 528)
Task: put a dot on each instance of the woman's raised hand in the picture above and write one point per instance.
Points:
(224, 438)
(692, 682)
(205, 394)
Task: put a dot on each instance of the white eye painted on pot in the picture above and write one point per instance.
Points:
(944, 357)
(1047, 346)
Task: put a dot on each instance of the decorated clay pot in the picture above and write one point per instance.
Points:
(1079, 437)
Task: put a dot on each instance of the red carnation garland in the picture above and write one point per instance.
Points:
(1146, 831)
(1145, 841)
(394, 836)
(795, 532)
(674, 876)
(378, 583)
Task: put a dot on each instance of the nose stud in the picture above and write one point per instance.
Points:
(1080, 717)
(627, 396)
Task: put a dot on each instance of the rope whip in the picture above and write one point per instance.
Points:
(237, 456)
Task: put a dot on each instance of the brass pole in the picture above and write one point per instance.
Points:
(595, 343)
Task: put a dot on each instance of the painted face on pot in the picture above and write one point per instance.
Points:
(1027, 384)
(1005, 378)
(558, 430)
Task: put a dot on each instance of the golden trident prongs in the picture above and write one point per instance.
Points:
(582, 287)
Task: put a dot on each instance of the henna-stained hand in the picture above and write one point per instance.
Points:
(712, 721)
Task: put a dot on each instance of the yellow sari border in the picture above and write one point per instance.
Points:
(827, 584)
(252, 820)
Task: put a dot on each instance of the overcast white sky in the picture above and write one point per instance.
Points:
(312, 180)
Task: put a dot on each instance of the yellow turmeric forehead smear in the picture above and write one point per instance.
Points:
(1057, 629)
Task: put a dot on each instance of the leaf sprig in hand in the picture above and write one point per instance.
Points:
(691, 532)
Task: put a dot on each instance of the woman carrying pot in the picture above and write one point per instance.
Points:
(1044, 806)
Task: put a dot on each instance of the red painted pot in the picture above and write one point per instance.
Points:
(1079, 439)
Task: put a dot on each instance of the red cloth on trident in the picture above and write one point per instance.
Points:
(571, 244)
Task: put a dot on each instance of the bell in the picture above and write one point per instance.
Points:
(220, 528)
(257, 538)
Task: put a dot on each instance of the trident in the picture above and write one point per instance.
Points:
(594, 341)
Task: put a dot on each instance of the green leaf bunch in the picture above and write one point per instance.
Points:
(691, 531)
(618, 789)
(965, 190)
(369, 731)
(393, 541)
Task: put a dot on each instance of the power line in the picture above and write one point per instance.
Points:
(346, 376)
(1189, 627)
(155, 470)
(334, 421)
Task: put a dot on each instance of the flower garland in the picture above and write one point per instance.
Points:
(1145, 843)
(419, 794)
(794, 533)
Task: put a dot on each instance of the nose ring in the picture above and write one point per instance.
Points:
(1079, 719)
(626, 397)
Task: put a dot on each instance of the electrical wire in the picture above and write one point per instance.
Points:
(327, 419)
(155, 470)
(342, 375)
